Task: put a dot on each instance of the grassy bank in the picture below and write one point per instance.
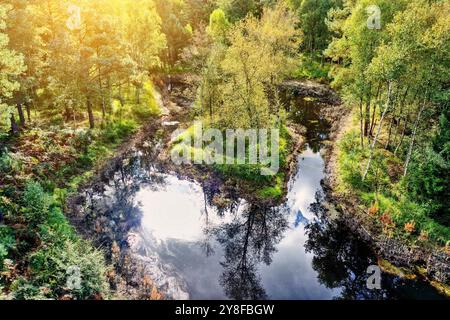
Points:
(249, 176)
(384, 195)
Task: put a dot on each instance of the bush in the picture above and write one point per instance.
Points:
(22, 289)
(53, 266)
(310, 67)
(9, 163)
(117, 131)
(7, 242)
(428, 181)
(36, 203)
(82, 141)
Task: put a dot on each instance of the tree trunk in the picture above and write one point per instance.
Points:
(367, 117)
(27, 108)
(138, 95)
(401, 137)
(372, 148)
(374, 112)
(14, 126)
(388, 142)
(361, 123)
(210, 108)
(21, 115)
(103, 108)
(413, 139)
(90, 114)
(110, 97)
(372, 125)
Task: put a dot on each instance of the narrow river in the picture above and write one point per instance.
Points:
(196, 250)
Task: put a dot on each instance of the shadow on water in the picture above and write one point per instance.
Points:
(309, 113)
(240, 250)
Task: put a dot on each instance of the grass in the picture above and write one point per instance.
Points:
(265, 186)
(312, 67)
(385, 197)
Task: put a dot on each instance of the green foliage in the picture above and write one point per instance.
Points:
(7, 243)
(312, 16)
(310, 67)
(271, 186)
(36, 203)
(218, 25)
(275, 191)
(117, 131)
(9, 164)
(50, 268)
(429, 177)
(241, 78)
(12, 66)
(239, 9)
(393, 197)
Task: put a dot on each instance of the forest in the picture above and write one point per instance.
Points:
(80, 78)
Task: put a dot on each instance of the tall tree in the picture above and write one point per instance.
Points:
(11, 67)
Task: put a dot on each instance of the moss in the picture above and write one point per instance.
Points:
(441, 287)
(388, 267)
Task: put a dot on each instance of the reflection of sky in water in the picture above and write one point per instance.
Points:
(290, 275)
(176, 217)
(176, 211)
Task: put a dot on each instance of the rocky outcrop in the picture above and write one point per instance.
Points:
(321, 92)
(438, 267)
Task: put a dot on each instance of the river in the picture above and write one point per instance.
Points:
(194, 249)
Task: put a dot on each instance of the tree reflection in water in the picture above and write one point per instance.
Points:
(250, 239)
(111, 209)
(248, 234)
(341, 261)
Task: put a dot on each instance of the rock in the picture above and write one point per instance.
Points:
(170, 123)
(400, 254)
(438, 267)
(319, 92)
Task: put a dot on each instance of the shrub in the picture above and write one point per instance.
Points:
(310, 67)
(36, 203)
(9, 163)
(51, 267)
(117, 131)
(22, 289)
(7, 242)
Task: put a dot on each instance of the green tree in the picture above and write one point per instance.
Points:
(11, 67)
(218, 25)
(312, 21)
(255, 63)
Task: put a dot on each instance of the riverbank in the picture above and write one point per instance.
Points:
(397, 256)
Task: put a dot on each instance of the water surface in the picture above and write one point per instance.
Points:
(196, 250)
